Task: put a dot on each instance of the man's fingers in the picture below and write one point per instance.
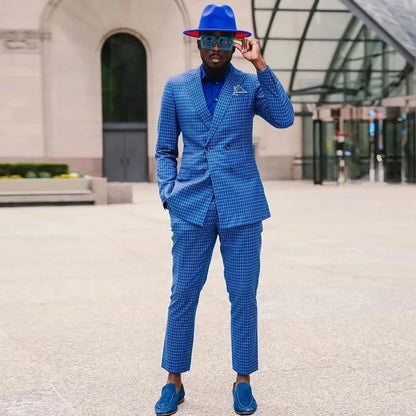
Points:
(238, 45)
(244, 46)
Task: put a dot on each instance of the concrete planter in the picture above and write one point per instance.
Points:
(62, 190)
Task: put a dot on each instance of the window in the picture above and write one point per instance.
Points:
(123, 66)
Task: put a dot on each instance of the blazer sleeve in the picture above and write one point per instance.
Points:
(167, 144)
(271, 100)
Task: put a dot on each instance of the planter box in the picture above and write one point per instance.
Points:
(51, 190)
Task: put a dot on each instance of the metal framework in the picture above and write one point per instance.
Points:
(325, 52)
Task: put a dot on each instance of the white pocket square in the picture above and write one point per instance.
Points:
(238, 89)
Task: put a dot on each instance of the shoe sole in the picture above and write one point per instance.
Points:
(171, 413)
(245, 413)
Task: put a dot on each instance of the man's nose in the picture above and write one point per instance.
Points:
(216, 47)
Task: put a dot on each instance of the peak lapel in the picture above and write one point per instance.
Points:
(197, 96)
(234, 78)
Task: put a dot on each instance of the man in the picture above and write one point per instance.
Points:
(217, 192)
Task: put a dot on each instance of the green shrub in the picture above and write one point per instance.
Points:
(23, 169)
(30, 174)
(44, 174)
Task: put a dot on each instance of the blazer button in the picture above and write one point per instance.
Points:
(203, 170)
(207, 148)
(231, 169)
(228, 146)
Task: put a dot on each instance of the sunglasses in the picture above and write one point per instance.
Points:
(225, 43)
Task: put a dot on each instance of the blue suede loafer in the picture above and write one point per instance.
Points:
(168, 403)
(244, 402)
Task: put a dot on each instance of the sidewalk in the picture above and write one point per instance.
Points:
(84, 293)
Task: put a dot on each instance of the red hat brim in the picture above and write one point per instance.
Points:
(195, 33)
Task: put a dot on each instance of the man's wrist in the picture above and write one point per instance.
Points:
(260, 65)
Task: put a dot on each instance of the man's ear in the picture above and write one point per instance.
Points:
(198, 42)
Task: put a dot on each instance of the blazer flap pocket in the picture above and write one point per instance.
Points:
(184, 174)
(187, 174)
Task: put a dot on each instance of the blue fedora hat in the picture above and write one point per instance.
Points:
(217, 19)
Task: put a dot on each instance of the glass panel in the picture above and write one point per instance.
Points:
(357, 52)
(356, 140)
(317, 152)
(355, 30)
(335, 98)
(376, 91)
(352, 77)
(123, 65)
(377, 63)
(396, 62)
(393, 77)
(307, 146)
(331, 5)
(338, 79)
(402, 89)
(328, 25)
(376, 80)
(393, 150)
(281, 53)
(374, 49)
(312, 98)
(411, 149)
(289, 24)
(330, 166)
(308, 79)
(343, 52)
(315, 56)
(264, 3)
(296, 4)
(262, 22)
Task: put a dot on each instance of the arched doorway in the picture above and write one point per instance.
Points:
(123, 70)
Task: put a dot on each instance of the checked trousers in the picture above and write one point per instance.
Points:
(192, 252)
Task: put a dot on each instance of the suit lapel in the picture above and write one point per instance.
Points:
(234, 78)
(197, 96)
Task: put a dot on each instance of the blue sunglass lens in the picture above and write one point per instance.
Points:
(225, 43)
(207, 42)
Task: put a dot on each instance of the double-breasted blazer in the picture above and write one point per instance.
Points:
(218, 154)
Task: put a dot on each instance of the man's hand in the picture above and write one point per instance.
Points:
(250, 49)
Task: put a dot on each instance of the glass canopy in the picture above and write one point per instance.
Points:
(394, 21)
(325, 52)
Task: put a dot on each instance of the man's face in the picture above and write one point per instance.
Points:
(215, 59)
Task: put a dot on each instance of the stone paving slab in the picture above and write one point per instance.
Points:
(84, 293)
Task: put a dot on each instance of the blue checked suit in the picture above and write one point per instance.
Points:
(217, 192)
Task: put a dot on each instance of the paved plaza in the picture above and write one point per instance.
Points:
(84, 293)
